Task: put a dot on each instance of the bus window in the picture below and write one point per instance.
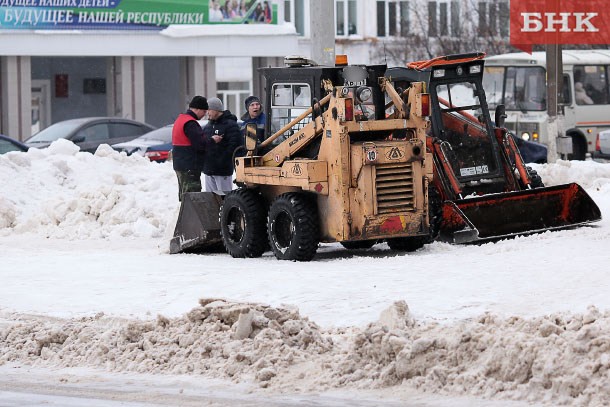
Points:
(565, 97)
(593, 81)
(525, 88)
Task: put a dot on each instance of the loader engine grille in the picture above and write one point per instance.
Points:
(394, 186)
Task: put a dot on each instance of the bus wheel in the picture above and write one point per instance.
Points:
(579, 148)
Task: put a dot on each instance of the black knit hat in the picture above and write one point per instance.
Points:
(250, 100)
(199, 102)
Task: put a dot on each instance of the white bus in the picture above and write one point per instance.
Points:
(518, 81)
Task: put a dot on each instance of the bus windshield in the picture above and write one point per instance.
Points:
(518, 88)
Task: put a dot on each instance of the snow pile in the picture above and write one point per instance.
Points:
(557, 360)
(239, 340)
(590, 175)
(63, 193)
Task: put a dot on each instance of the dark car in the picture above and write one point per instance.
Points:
(89, 132)
(156, 145)
(9, 144)
(531, 152)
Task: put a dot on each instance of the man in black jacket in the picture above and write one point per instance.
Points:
(188, 146)
(222, 137)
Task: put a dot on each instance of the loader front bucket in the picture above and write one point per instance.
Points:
(497, 216)
(198, 225)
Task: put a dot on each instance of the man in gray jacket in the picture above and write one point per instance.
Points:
(223, 138)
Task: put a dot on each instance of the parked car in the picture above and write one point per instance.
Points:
(89, 132)
(531, 152)
(9, 144)
(156, 145)
(602, 145)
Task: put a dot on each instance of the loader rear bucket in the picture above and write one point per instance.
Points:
(497, 216)
(198, 225)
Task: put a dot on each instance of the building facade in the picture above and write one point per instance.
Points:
(50, 74)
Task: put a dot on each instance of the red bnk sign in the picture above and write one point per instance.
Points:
(535, 22)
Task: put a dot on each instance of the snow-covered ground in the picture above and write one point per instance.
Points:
(86, 283)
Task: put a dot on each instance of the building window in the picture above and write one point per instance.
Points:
(432, 24)
(233, 95)
(405, 25)
(294, 12)
(347, 18)
(482, 19)
(504, 19)
(381, 32)
(392, 18)
(444, 19)
(493, 19)
(455, 19)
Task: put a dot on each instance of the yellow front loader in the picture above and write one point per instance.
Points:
(345, 161)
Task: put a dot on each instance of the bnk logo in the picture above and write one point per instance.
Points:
(537, 22)
(558, 22)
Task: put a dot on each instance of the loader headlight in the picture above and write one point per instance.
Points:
(438, 73)
(364, 93)
(525, 136)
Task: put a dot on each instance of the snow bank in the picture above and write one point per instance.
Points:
(63, 193)
(559, 359)
(60, 192)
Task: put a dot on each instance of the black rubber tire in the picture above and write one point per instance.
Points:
(535, 179)
(242, 223)
(293, 227)
(407, 244)
(359, 244)
(435, 212)
(579, 148)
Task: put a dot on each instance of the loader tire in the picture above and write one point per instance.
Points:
(242, 223)
(293, 227)
(435, 212)
(535, 179)
(359, 244)
(407, 244)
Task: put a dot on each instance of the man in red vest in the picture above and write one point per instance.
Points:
(189, 146)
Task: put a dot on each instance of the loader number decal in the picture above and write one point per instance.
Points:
(479, 169)
(355, 83)
(371, 155)
(370, 151)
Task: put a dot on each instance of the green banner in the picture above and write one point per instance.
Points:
(131, 14)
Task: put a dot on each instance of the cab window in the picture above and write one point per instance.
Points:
(289, 101)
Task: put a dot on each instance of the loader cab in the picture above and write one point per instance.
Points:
(294, 89)
(461, 121)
